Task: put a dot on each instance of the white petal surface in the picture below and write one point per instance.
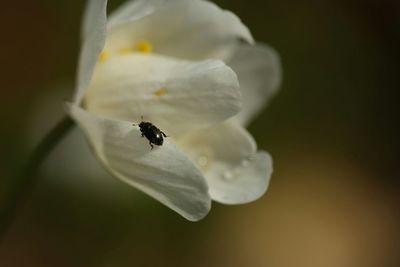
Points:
(246, 183)
(163, 173)
(259, 72)
(133, 10)
(93, 39)
(226, 153)
(174, 95)
(188, 29)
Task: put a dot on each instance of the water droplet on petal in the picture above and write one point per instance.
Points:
(244, 163)
(202, 161)
(227, 175)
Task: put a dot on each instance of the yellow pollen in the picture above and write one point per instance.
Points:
(125, 50)
(103, 56)
(144, 46)
(160, 92)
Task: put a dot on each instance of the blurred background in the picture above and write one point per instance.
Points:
(333, 131)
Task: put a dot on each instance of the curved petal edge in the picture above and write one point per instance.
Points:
(164, 172)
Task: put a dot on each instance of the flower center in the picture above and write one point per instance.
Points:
(160, 92)
(141, 46)
(103, 56)
(144, 46)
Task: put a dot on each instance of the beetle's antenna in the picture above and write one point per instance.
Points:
(141, 117)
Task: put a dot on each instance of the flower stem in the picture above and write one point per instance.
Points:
(25, 182)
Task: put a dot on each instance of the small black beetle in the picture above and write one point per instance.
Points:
(152, 133)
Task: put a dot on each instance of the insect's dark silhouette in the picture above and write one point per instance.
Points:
(152, 133)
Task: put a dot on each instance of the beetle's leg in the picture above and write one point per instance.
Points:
(163, 134)
(151, 145)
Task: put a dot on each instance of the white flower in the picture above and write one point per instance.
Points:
(165, 60)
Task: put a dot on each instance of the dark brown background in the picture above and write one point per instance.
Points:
(333, 131)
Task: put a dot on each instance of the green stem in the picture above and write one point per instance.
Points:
(25, 181)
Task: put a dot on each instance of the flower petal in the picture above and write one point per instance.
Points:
(174, 95)
(235, 173)
(259, 72)
(132, 10)
(246, 183)
(185, 29)
(163, 173)
(93, 38)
